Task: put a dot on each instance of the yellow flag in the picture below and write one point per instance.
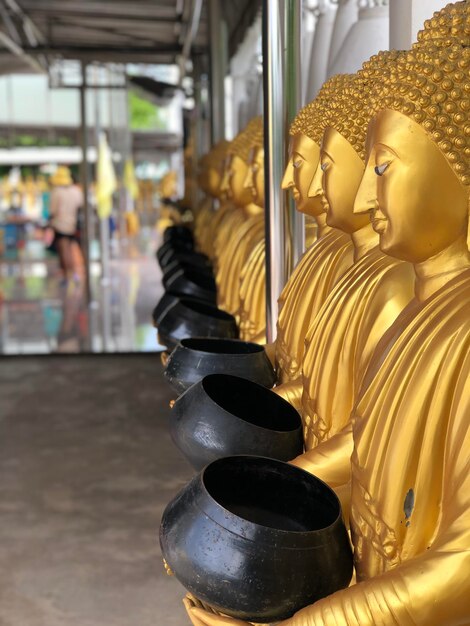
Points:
(105, 179)
(130, 181)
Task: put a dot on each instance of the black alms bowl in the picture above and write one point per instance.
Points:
(223, 415)
(197, 357)
(257, 539)
(193, 318)
(193, 283)
(165, 252)
(178, 233)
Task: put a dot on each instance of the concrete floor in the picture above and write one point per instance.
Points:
(86, 468)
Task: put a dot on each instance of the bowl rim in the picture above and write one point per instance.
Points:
(253, 527)
(259, 348)
(261, 428)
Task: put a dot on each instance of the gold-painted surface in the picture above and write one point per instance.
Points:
(410, 479)
(239, 240)
(321, 266)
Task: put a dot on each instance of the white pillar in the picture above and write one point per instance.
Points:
(346, 16)
(321, 47)
(366, 37)
(407, 17)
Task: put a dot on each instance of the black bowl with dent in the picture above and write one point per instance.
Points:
(257, 539)
(223, 415)
(193, 283)
(197, 357)
(193, 318)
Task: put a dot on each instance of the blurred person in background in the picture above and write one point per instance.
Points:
(66, 201)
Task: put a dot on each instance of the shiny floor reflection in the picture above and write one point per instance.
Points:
(39, 314)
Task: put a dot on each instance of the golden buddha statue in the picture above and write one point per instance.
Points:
(234, 247)
(325, 262)
(209, 179)
(251, 314)
(343, 335)
(320, 267)
(410, 485)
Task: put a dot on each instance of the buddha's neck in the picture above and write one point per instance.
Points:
(322, 226)
(364, 240)
(438, 270)
(252, 209)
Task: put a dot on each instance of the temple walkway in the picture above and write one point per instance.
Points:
(86, 468)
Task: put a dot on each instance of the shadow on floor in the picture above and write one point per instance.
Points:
(86, 468)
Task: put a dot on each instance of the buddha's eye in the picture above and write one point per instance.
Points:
(324, 166)
(380, 169)
(297, 163)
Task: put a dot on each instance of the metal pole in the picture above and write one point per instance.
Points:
(295, 222)
(274, 149)
(85, 184)
(218, 35)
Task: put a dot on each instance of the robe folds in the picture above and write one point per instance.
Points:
(230, 261)
(339, 346)
(318, 271)
(410, 474)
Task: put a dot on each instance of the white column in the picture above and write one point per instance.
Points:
(407, 17)
(346, 16)
(366, 37)
(320, 48)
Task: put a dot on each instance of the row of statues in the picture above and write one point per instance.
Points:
(373, 337)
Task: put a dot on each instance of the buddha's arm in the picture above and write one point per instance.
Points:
(270, 349)
(292, 392)
(330, 460)
(432, 589)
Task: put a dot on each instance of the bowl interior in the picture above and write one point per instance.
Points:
(251, 402)
(221, 346)
(271, 493)
(206, 309)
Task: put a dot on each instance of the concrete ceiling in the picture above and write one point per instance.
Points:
(34, 32)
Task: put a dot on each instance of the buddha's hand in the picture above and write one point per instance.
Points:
(202, 615)
(292, 392)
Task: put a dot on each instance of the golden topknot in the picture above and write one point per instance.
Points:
(310, 119)
(453, 21)
(431, 85)
(243, 142)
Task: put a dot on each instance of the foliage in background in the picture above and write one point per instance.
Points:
(143, 114)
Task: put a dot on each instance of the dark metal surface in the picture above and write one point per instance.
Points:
(223, 415)
(192, 318)
(195, 358)
(257, 539)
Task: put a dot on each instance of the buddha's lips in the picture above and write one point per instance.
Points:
(379, 224)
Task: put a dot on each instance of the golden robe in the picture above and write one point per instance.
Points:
(410, 514)
(231, 260)
(309, 285)
(252, 313)
(339, 347)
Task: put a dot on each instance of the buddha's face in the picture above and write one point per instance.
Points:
(213, 181)
(337, 181)
(418, 205)
(254, 180)
(304, 156)
(257, 169)
(236, 170)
